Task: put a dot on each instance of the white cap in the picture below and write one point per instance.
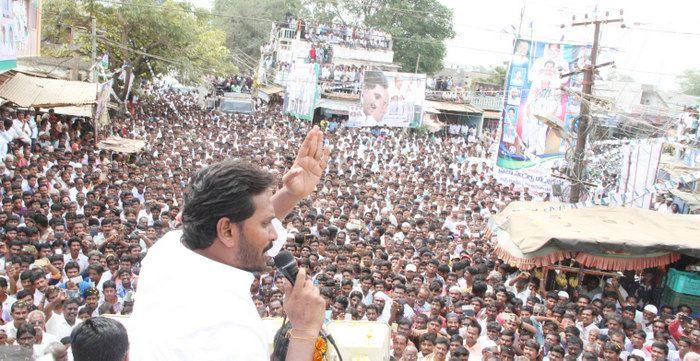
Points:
(411, 267)
(651, 308)
(562, 294)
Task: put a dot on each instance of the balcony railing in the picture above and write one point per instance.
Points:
(484, 100)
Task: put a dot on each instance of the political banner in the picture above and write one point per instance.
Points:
(536, 123)
(389, 99)
(638, 170)
(301, 91)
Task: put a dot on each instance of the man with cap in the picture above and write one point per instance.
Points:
(649, 314)
(666, 207)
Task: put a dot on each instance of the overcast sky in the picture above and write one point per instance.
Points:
(652, 49)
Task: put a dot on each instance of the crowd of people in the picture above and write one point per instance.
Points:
(395, 233)
(236, 83)
(339, 34)
(345, 78)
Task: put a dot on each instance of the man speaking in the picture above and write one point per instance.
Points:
(193, 300)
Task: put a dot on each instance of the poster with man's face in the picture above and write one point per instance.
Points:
(389, 99)
(534, 90)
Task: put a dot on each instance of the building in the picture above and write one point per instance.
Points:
(635, 110)
(21, 31)
(341, 52)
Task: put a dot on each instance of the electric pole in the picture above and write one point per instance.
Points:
(94, 49)
(585, 112)
(417, 62)
(93, 73)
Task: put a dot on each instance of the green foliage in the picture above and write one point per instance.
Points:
(177, 37)
(689, 82)
(498, 75)
(247, 24)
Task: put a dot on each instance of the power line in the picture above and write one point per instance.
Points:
(414, 40)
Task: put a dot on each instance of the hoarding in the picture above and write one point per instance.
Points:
(301, 91)
(539, 110)
(389, 99)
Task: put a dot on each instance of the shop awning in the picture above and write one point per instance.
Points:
(29, 91)
(610, 238)
(449, 107)
(121, 145)
(271, 89)
(76, 111)
(492, 114)
(335, 105)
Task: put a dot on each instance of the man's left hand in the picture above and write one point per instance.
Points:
(308, 167)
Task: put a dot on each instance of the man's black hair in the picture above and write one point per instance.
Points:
(99, 338)
(375, 78)
(221, 190)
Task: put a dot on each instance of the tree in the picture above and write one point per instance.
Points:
(498, 75)
(168, 35)
(418, 27)
(689, 82)
(247, 24)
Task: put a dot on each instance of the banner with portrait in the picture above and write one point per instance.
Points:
(389, 99)
(301, 91)
(539, 111)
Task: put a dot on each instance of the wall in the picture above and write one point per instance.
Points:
(28, 19)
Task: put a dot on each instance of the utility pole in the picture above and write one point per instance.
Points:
(417, 62)
(94, 50)
(585, 112)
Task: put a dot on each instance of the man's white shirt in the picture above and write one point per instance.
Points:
(229, 326)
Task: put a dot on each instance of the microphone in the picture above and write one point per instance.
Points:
(287, 265)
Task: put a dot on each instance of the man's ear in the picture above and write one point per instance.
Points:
(227, 232)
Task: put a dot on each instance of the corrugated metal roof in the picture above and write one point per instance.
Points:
(29, 91)
(271, 89)
(452, 107)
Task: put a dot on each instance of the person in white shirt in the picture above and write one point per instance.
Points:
(43, 338)
(61, 325)
(75, 254)
(19, 311)
(229, 223)
(666, 207)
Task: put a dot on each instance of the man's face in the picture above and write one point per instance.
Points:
(372, 314)
(91, 301)
(374, 102)
(110, 294)
(38, 322)
(94, 276)
(26, 340)
(20, 315)
(658, 354)
(440, 351)
(250, 239)
(70, 312)
(587, 317)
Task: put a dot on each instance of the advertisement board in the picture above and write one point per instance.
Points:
(540, 107)
(389, 99)
(301, 91)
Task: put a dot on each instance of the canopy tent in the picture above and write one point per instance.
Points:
(122, 145)
(29, 91)
(609, 238)
(84, 111)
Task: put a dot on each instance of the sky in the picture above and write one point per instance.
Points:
(653, 47)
